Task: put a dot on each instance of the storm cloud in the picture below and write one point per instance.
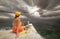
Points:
(47, 23)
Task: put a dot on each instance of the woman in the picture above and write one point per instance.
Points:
(17, 24)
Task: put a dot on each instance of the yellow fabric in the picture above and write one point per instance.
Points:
(24, 32)
(17, 13)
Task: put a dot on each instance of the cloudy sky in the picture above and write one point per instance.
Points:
(44, 14)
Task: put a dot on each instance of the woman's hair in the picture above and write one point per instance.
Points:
(16, 16)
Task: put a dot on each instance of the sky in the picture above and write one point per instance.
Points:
(43, 14)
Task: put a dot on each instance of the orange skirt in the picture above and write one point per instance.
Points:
(19, 29)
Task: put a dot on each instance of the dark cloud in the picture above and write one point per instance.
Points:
(48, 24)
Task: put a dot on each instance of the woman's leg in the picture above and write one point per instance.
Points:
(17, 33)
(17, 36)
